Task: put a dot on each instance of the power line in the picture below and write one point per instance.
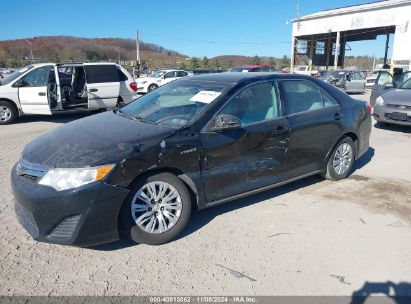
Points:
(217, 42)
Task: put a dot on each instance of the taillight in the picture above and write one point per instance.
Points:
(369, 108)
(133, 86)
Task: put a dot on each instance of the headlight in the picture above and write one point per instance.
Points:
(379, 101)
(63, 179)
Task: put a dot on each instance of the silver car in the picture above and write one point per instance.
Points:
(346, 80)
(394, 106)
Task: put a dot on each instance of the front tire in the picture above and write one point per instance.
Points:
(157, 209)
(341, 160)
(8, 113)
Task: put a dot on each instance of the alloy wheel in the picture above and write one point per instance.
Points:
(5, 113)
(343, 158)
(156, 207)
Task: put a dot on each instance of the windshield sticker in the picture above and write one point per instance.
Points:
(205, 96)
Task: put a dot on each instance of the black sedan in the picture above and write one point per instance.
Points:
(139, 172)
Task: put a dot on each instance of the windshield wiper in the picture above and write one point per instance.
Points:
(140, 118)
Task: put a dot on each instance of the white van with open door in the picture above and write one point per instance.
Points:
(49, 88)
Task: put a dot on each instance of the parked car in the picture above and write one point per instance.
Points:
(253, 68)
(305, 70)
(347, 80)
(193, 143)
(386, 81)
(50, 88)
(157, 79)
(394, 106)
(372, 77)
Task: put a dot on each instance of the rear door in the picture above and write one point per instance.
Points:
(103, 85)
(33, 90)
(240, 160)
(315, 121)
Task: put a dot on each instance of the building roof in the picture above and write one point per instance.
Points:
(354, 8)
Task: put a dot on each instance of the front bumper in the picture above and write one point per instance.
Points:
(84, 216)
(385, 114)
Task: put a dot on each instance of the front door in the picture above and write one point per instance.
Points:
(33, 91)
(315, 121)
(169, 77)
(103, 85)
(240, 160)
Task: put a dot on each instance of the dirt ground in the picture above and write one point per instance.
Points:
(311, 237)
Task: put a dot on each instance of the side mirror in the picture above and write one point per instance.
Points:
(19, 83)
(226, 122)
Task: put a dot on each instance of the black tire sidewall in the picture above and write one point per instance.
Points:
(152, 87)
(331, 174)
(13, 110)
(130, 230)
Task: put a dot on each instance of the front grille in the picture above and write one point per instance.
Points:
(403, 107)
(66, 228)
(390, 116)
(30, 171)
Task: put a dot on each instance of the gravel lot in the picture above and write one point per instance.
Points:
(312, 237)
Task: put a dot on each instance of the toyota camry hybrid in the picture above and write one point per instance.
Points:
(197, 142)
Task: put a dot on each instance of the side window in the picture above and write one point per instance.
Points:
(301, 96)
(255, 103)
(328, 100)
(384, 78)
(101, 73)
(181, 74)
(170, 75)
(121, 75)
(37, 78)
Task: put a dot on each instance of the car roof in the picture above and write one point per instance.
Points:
(237, 77)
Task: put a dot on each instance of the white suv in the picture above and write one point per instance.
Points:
(157, 79)
(49, 88)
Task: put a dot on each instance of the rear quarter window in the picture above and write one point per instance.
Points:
(102, 73)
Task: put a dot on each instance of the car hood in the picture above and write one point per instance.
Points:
(100, 139)
(398, 97)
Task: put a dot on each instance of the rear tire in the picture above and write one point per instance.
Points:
(157, 209)
(341, 160)
(152, 87)
(8, 113)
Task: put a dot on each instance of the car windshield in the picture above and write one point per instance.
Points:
(157, 74)
(15, 75)
(406, 85)
(175, 104)
(333, 74)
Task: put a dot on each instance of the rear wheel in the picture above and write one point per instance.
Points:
(152, 87)
(157, 209)
(8, 113)
(341, 160)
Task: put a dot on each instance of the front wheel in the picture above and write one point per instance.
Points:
(341, 160)
(157, 209)
(8, 113)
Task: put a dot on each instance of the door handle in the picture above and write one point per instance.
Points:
(93, 90)
(338, 116)
(42, 94)
(280, 130)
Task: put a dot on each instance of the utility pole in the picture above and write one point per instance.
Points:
(118, 50)
(31, 49)
(137, 54)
